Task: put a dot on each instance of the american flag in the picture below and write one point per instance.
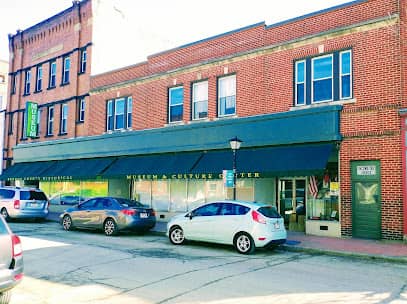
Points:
(313, 186)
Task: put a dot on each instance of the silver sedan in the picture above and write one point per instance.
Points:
(110, 214)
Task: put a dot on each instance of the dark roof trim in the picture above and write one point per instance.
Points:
(320, 12)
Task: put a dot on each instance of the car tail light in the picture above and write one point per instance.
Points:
(130, 212)
(257, 217)
(17, 248)
(16, 204)
(152, 213)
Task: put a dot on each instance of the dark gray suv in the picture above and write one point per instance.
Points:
(11, 261)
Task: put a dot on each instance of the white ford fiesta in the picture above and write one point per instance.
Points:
(246, 225)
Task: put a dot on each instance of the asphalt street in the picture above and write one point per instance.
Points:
(88, 267)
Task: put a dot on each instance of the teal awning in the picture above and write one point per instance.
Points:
(59, 170)
(298, 160)
(31, 170)
(170, 163)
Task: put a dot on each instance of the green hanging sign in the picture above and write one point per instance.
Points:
(31, 114)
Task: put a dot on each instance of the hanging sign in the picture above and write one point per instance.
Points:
(228, 179)
(31, 116)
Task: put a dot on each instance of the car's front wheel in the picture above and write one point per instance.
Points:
(177, 235)
(244, 243)
(6, 216)
(5, 297)
(67, 222)
(110, 227)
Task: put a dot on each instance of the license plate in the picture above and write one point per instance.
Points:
(33, 205)
(276, 226)
(143, 215)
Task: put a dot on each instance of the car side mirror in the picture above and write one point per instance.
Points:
(190, 215)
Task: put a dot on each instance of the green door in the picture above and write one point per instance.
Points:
(366, 199)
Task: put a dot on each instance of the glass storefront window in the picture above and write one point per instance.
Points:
(178, 195)
(160, 195)
(196, 193)
(214, 190)
(142, 192)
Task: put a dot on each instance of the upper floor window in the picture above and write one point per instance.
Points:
(10, 123)
(200, 100)
(2, 79)
(324, 78)
(27, 82)
(13, 83)
(64, 119)
(39, 121)
(66, 69)
(118, 113)
(227, 96)
(52, 74)
(175, 104)
(50, 121)
(24, 124)
(81, 109)
(38, 84)
(83, 61)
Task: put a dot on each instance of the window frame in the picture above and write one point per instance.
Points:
(52, 80)
(13, 84)
(195, 102)
(39, 76)
(66, 68)
(304, 83)
(81, 109)
(116, 115)
(129, 112)
(341, 75)
(39, 121)
(220, 79)
(171, 106)
(63, 125)
(10, 123)
(23, 126)
(111, 113)
(50, 121)
(83, 61)
(313, 80)
(27, 82)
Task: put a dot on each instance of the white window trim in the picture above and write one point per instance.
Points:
(66, 70)
(115, 113)
(82, 109)
(53, 74)
(27, 85)
(312, 78)
(219, 96)
(129, 110)
(64, 119)
(304, 82)
(172, 105)
(341, 74)
(194, 101)
(50, 120)
(38, 87)
(109, 102)
(83, 60)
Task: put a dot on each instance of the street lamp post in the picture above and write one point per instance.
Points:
(235, 145)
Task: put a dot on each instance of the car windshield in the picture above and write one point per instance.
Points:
(129, 203)
(32, 195)
(269, 211)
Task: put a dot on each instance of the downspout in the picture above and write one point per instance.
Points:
(78, 4)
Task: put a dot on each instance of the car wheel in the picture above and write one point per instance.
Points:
(4, 213)
(5, 297)
(244, 243)
(67, 223)
(110, 227)
(177, 235)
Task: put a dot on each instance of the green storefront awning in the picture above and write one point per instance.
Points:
(170, 163)
(31, 170)
(59, 170)
(298, 160)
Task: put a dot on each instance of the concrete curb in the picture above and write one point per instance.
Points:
(363, 256)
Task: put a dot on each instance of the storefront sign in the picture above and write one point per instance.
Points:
(366, 170)
(46, 178)
(334, 188)
(190, 176)
(31, 116)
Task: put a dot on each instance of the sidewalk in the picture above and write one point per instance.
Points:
(391, 251)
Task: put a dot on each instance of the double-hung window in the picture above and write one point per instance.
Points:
(24, 124)
(66, 69)
(175, 104)
(323, 78)
(50, 121)
(118, 113)
(83, 60)
(64, 119)
(227, 96)
(39, 122)
(200, 100)
(81, 109)
(52, 74)
(27, 82)
(38, 83)
(13, 83)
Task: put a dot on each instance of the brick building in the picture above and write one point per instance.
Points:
(318, 101)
